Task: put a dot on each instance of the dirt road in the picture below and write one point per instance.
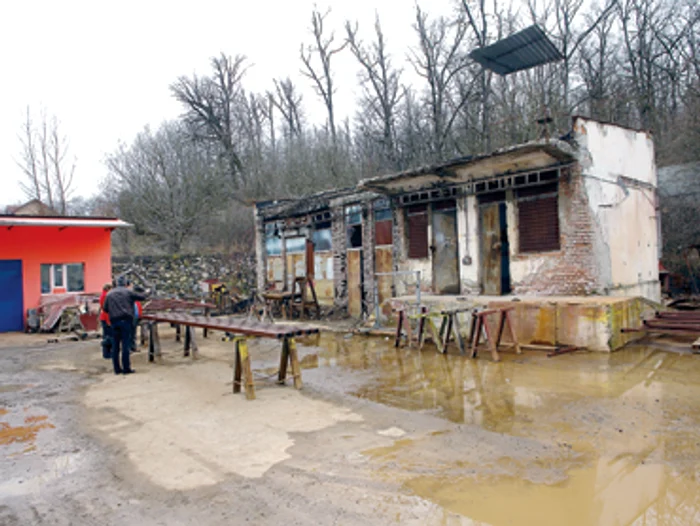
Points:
(377, 436)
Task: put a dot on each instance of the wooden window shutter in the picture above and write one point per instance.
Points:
(538, 224)
(417, 231)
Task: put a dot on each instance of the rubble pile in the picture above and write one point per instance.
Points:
(183, 276)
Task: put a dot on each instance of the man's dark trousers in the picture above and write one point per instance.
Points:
(106, 340)
(121, 340)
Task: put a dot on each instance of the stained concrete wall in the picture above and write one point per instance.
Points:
(592, 322)
(619, 173)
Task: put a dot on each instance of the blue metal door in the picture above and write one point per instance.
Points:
(11, 304)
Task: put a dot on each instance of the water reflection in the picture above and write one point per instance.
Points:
(632, 416)
(611, 493)
(498, 395)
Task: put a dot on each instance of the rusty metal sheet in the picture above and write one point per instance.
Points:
(354, 266)
(309, 259)
(446, 254)
(417, 218)
(383, 232)
(538, 222)
(384, 262)
(167, 304)
(490, 249)
(237, 326)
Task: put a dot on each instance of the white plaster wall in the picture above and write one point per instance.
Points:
(627, 252)
(468, 235)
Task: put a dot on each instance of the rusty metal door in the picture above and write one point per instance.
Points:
(310, 259)
(354, 263)
(384, 263)
(445, 250)
(490, 248)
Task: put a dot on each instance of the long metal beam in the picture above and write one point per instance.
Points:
(244, 327)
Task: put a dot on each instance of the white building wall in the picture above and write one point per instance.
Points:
(468, 234)
(620, 179)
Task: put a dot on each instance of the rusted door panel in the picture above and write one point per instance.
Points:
(445, 255)
(309, 259)
(490, 249)
(354, 263)
(383, 261)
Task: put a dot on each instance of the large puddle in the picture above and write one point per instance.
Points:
(627, 423)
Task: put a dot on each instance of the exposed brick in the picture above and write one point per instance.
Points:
(572, 270)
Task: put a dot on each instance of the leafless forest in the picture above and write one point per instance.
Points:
(188, 184)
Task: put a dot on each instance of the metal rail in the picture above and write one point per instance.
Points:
(244, 327)
(164, 304)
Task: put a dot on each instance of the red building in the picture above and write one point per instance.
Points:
(41, 256)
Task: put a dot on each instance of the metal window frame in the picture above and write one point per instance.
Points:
(495, 183)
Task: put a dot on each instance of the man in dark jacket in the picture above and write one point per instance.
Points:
(119, 305)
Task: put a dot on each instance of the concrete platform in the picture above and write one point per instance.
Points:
(591, 322)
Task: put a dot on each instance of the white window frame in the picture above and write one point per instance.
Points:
(64, 275)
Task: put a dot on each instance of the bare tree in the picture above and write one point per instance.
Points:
(166, 185)
(211, 104)
(478, 21)
(381, 85)
(45, 162)
(440, 60)
(288, 101)
(321, 75)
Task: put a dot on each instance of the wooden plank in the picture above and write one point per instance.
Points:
(384, 263)
(247, 369)
(435, 332)
(237, 369)
(399, 327)
(294, 362)
(354, 273)
(513, 337)
(245, 327)
(284, 359)
(188, 340)
(458, 334)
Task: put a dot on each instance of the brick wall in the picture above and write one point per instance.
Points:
(368, 242)
(260, 253)
(339, 241)
(573, 270)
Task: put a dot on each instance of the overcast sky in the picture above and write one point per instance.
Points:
(103, 68)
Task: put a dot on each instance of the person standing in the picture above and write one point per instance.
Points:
(104, 321)
(119, 306)
(138, 311)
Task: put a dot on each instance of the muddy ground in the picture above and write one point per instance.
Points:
(377, 436)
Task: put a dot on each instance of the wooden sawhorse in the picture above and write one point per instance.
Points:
(154, 341)
(243, 372)
(480, 325)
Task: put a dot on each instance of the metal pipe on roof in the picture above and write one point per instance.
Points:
(64, 222)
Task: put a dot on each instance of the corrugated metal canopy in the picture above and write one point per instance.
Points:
(525, 49)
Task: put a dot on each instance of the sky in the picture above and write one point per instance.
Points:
(104, 68)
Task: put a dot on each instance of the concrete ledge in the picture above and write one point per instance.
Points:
(591, 322)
